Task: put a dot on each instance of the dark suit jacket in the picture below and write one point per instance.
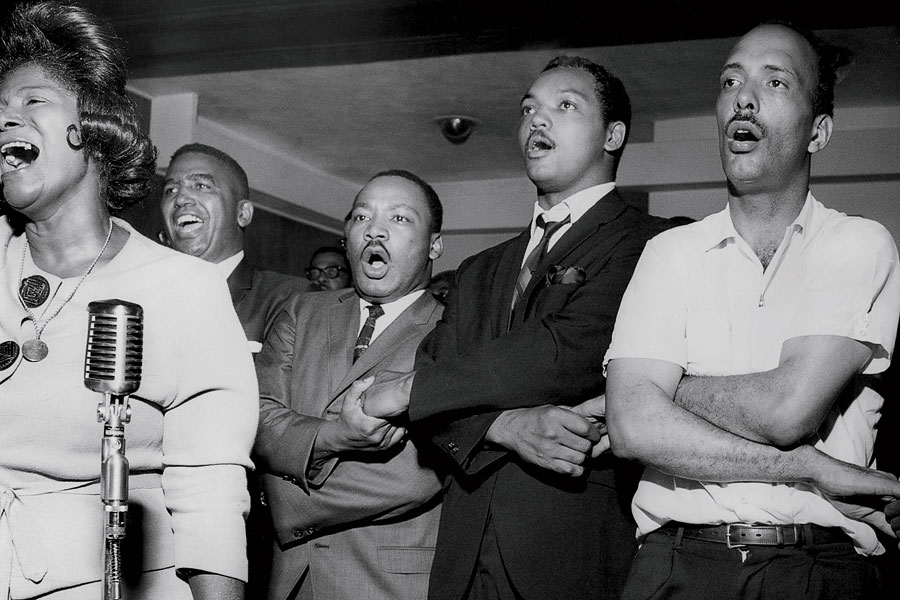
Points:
(366, 527)
(560, 538)
(257, 295)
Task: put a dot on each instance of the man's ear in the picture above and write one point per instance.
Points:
(615, 136)
(437, 246)
(821, 133)
(244, 213)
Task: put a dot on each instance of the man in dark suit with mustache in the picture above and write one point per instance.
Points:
(532, 509)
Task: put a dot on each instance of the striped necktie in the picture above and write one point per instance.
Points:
(528, 267)
(365, 334)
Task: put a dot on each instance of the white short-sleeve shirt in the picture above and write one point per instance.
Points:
(699, 298)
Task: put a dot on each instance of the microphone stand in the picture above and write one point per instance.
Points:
(114, 412)
(112, 366)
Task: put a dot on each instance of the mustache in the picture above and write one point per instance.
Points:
(374, 244)
(537, 133)
(372, 248)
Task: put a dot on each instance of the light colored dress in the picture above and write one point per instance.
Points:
(188, 441)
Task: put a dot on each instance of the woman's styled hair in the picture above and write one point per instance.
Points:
(83, 54)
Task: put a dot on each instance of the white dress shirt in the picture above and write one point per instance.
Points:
(392, 310)
(574, 207)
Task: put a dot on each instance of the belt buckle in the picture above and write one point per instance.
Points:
(728, 538)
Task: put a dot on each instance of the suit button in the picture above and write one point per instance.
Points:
(299, 533)
(452, 447)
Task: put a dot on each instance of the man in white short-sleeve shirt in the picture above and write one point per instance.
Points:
(738, 367)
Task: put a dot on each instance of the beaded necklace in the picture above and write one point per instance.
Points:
(35, 349)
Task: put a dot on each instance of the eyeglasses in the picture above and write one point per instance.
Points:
(313, 273)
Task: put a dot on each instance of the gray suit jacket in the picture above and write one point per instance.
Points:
(257, 294)
(363, 528)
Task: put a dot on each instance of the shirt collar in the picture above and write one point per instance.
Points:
(228, 265)
(393, 309)
(722, 229)
(575, 205)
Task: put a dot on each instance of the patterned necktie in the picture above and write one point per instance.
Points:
(365, 334)
(528, 267)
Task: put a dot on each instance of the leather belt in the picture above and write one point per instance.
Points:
(735, 536)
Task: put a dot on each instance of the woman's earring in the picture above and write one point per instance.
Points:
(72, 131)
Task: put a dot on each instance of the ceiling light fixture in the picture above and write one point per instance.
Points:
(456, 129)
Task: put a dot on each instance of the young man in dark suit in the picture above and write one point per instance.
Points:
(355, 510)
(532, 509)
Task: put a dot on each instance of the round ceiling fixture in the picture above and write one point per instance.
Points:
(456, 129)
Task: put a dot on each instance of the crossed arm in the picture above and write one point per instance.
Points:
(785, 405)
(758, 433)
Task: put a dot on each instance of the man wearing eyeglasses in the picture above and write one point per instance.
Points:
(329, 269)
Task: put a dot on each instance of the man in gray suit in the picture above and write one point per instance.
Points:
(355, 508)
(206, 206)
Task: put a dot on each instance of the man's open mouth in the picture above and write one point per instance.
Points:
(188, 222)
(375, 256)
(538, 142)
(745, 128)
(19, 154)
(744, 135)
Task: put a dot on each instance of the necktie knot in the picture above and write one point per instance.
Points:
(535, 256)
(368, 328)
(375, 311)
(549, 227)
(542, 221)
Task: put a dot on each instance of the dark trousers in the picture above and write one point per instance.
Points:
(673, 568)
(490, 580)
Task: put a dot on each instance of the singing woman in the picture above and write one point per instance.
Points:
(71, 156)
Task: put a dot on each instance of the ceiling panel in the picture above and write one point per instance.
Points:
(353, 86)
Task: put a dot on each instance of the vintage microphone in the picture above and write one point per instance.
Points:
(112, 366)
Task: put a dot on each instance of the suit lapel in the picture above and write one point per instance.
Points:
(240, 281)
(606, 209)
(343, 324)
(401, 329)
(505, 281)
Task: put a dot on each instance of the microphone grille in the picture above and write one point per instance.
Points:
(115, 346)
